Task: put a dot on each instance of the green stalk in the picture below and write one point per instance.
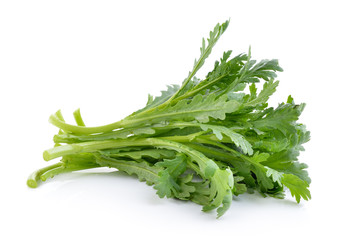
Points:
(119, 134)
(199, 89)
(78, 118)
(65, 169)
(190, 140)
(234, 152)
(95, 146)
(214, 153)
(82, 129)
(125, 123)
(72, 138)
(35, 176)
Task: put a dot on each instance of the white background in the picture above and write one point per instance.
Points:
(106, 56)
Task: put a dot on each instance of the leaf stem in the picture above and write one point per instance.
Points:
(65, 169)
(35, 176)
(199, 89)
(95, 146)
(82, 129)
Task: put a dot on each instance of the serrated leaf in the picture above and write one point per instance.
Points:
(268, 89)
(226, 203)
(220, 191)
(168, 183)
(186, 188)
(175, 166)
(200, 108)
(210, 169)
(290, 100)
(265, 182)
(165, 95)
(153, 153)
(239, 186)
(276, 176)
(298, 169)
(264, 69)
(224, 73)
(142, 170)
(220, 183)
(205, 52)
(282, 118)
(260, 157)
(238, 139)
(253, 91)
(271, 144)
(201, 193)
(286, 162)
(297, 187)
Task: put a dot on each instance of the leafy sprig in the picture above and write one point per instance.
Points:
(204, 141)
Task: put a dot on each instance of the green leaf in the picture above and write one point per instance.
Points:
(223, 74)
(200, 108)
(186, 188)
(286, 161)
(138, 155)
(260, 157)
(221, 182)
(265, 69)
(297, 187)
(238, 139)
(239, 186)
(210, 169)
(268, 89)
(142, 170)
(220, 191)
(205, 52)
(282, 118)
(201, 193)
(276, 176)
(271, 144)
(298, 169)
(265, 182)
(253, 91)
(176, 166)
(168, 184)
(290, 100)
(165, 95)
(226, 203)
(303, 135)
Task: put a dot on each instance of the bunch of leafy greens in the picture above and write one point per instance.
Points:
(204, 141)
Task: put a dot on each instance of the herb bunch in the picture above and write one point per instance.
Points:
(203, 141)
